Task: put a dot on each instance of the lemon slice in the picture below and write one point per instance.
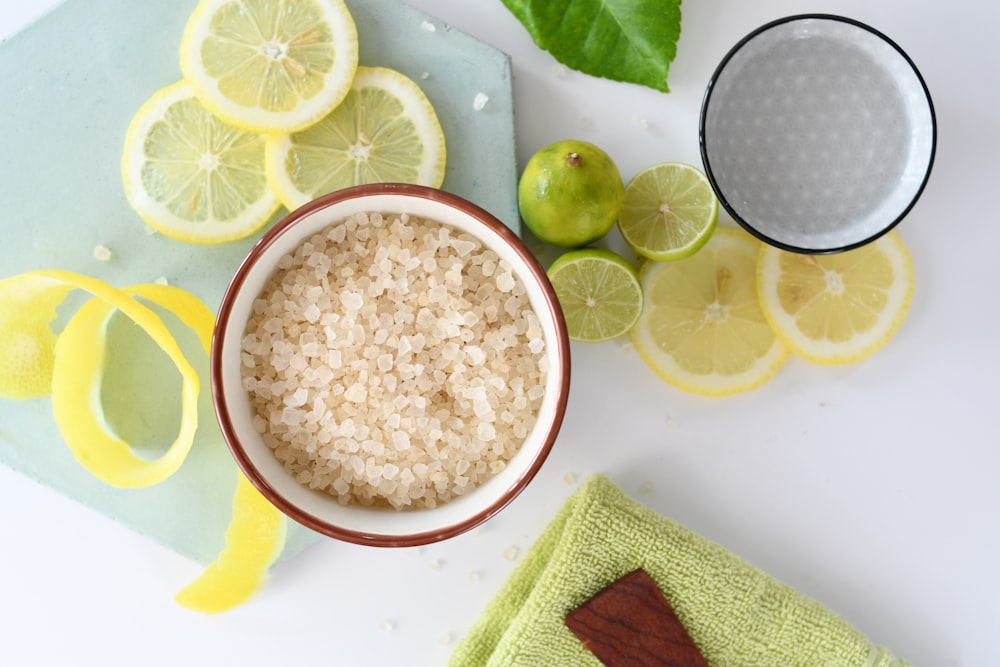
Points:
(254, 538)
(669, 211)
(191, 176)
(599, 293)
(702, 328)
(385, 130)
(270, 65)
(840, 308)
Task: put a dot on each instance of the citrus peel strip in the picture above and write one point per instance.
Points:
(70, 366)
(27, 342)
(254, 538)
(79, 366)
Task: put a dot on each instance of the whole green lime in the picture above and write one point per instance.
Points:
(570, 193)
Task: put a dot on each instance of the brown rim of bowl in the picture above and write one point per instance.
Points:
(222, 410)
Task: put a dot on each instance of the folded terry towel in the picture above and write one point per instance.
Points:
(736, 615)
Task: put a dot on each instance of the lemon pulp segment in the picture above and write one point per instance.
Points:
(838, 308)
(270, 65)
(702, 328)
(385, 130)
(191, 176)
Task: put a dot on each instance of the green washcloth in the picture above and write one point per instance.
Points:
(736, 614)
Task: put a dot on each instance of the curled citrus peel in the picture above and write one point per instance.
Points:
(254, 539)
(35, 361)
(79, 366)
(27, 342)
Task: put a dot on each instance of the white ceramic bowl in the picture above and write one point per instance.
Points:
(817, 133)
(320, 511)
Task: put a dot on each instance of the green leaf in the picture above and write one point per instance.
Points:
(624, 40)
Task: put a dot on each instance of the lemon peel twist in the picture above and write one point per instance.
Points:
(254, 539)
(35, 361)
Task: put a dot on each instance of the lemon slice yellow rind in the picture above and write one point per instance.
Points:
(192, 177)
(267, 66)
(386, 130)
(841, 308)
(702, 329)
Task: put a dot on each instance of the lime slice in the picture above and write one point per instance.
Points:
(385, 130)
(191, 176)
(702, 328)
(840, 308)
(599, 293)
(669, 211)
(270, 65)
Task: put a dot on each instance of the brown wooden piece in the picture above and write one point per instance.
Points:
(631, 624)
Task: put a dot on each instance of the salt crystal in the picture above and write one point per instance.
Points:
(356, 393)
(311, 312)
(384, 362)
(479, 101)
(297, 399)
(102, 253)
(400, 440)
(475, 354)
(463, 246)
(505, 282)
(352, 301)
(427, 26)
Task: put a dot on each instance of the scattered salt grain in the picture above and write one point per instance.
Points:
(386, 626)
(428, 26)
(480, 101)
(510, 553)
(102, 253)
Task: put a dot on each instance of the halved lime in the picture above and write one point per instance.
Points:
(599, 293)
(669, 211)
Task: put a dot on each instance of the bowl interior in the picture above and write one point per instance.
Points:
(320, 511)
(817, 133)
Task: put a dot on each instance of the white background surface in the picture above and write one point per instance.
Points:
(872, 488)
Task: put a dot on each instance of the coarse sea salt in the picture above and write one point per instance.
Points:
(394, 361)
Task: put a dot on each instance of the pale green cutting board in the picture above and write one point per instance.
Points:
(69, 84)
